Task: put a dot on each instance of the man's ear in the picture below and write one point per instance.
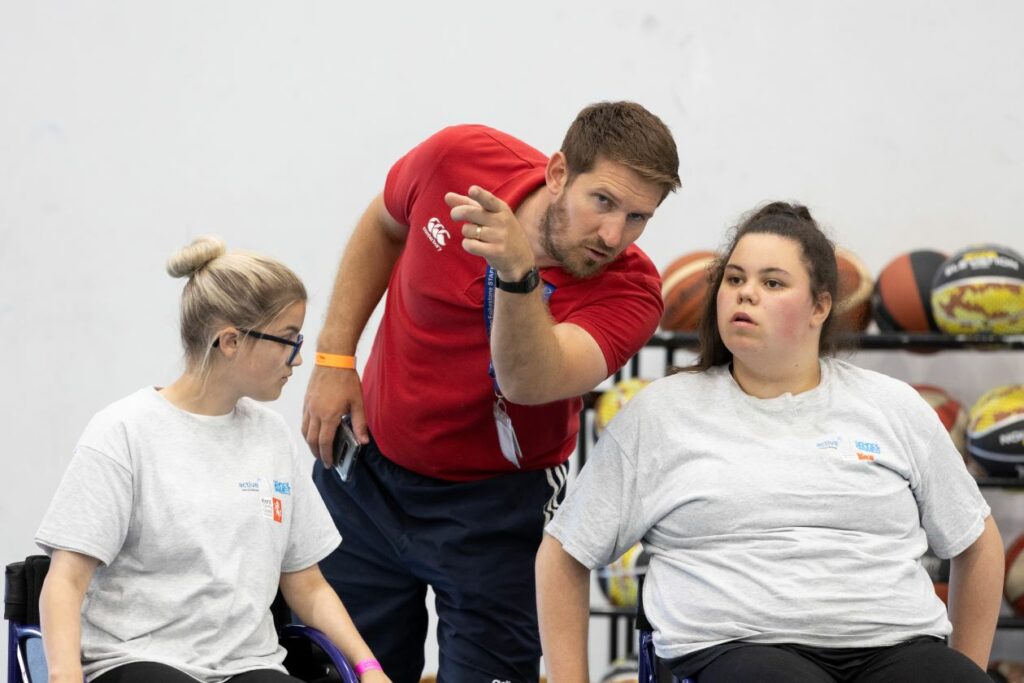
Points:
(556, 175)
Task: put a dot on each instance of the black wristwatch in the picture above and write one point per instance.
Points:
(524, 286)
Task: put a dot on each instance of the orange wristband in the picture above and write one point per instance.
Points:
(333, 360)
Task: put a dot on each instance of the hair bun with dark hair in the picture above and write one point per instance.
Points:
(192, 258)
(785, 209)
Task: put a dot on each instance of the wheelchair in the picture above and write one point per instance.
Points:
(311, 656)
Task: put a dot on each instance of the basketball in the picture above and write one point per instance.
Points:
(980, 289)
(619, 580)
(995, 431)
(610, 402)
(902, 299)
(853, 310)
(684, 286)
(950, 412)
(1013, 587)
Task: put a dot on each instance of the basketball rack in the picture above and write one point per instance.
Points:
(881, 341)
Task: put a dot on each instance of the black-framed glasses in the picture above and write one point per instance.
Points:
(296, 344)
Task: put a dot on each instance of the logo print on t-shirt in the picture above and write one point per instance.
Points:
(278, 510)
(436, 233)
(867, 450)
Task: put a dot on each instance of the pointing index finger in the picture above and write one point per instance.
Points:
(486, 199)
(453, 199)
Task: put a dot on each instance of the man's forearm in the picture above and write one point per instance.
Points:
(524, 348)
(362, 279)
(536, 360)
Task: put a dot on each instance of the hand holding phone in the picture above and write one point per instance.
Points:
(346, 449)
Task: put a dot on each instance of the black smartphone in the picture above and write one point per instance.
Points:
(346, 449)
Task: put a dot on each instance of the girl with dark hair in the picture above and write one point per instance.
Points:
(786, 499)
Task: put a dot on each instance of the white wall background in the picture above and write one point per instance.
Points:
(128, 128)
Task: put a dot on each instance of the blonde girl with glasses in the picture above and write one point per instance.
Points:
(184, 507)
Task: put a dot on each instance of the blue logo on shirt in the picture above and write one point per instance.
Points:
(282, 487)
(249, 485)
(869, 447)
(828, 443)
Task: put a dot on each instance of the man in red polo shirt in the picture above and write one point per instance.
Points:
(513, 287)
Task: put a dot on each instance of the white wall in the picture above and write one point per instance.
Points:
(128, 128)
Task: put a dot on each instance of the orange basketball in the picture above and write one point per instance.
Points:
(684, 286)
(855, 285)
(902, 300)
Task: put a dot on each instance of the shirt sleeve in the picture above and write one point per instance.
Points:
(312, 535)
(601, 516)
(953, 511)
(91, 511)
(623, 314)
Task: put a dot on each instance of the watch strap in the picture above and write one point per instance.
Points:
(527, 284)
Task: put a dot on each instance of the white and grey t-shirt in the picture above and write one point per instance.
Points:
(193, 519)
(797, 519)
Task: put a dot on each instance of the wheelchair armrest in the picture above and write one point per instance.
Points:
(26, 662)
(344, 669)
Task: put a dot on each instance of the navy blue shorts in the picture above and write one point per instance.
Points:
(474, 543)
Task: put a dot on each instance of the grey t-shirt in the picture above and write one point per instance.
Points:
(193, 519)
(797, 519)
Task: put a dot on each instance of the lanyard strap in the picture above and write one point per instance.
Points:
(490, 285)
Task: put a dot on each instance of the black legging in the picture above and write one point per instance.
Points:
(154, 672)
(921, 661)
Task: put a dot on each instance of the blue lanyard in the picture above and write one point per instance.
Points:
(490, 285)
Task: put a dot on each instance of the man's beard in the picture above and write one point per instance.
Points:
(573, 257)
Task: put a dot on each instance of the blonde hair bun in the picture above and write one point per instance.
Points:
(187, 261)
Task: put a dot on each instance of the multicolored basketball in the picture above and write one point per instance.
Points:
(611, 401)
(902, 300)
(619, 580)
(980, 289)
(1013, 586)
(855, 284)
(684, 286)
(950, 412)
(995, 431)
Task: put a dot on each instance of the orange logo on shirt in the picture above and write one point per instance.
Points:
(278, 510)
(860, 456)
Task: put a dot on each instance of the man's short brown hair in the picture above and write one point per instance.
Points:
(626, 133)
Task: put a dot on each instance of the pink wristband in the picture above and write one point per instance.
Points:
(367, 665)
